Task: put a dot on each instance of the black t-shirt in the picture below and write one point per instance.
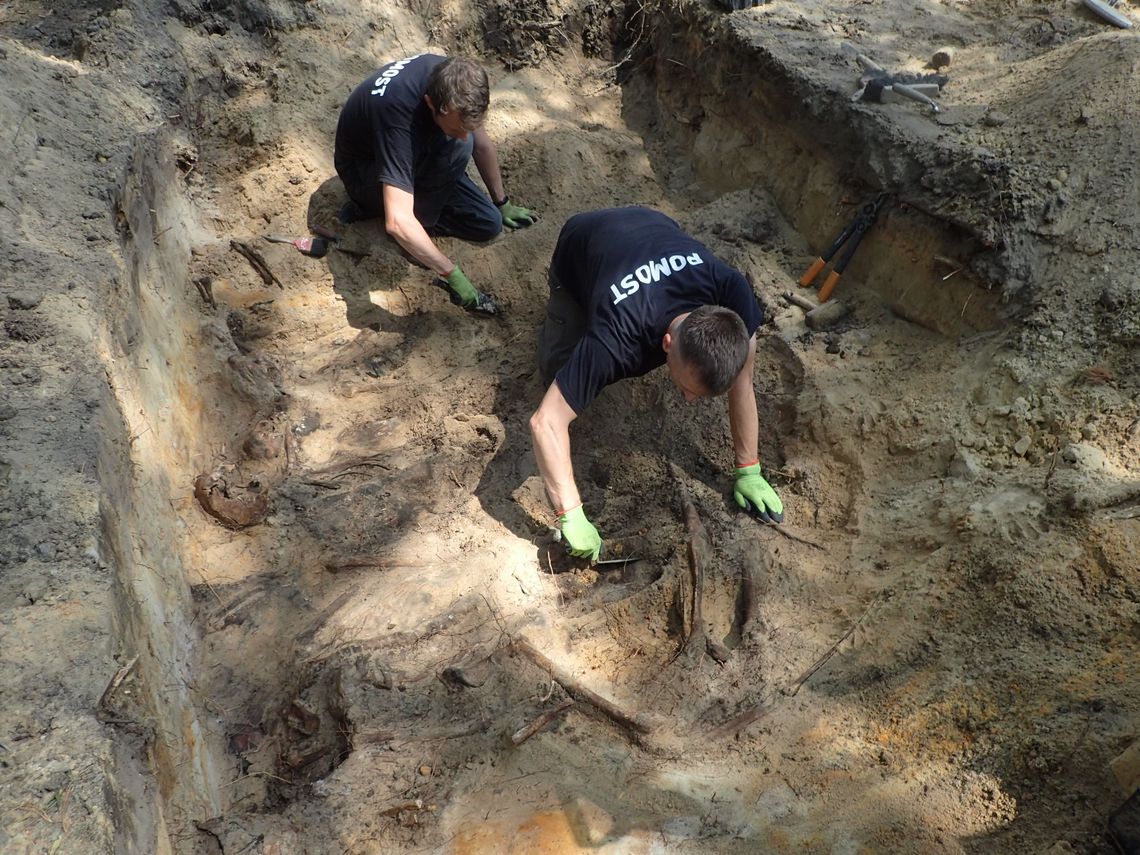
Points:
(633, 271)
(386, 120)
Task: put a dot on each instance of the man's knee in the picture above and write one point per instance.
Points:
(359, 186)
(489, 226)
(479, 223)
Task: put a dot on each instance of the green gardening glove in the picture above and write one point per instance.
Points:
(579, 534)
(464, 294)
(755, 494)
(461, 287)
(516, 216)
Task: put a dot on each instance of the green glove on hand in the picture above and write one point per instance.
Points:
(755, 494)
(516, 216)
(464, 294)
(579, 534)
(462, 288)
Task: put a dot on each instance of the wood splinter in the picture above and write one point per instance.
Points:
(737, 723)
(539, 724)
(780, 528)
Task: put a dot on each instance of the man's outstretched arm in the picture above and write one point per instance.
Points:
(401, 223)
(743, 419)
(750, 490)
(550, 433)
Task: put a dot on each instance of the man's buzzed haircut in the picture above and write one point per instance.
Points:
(460, 85)
(714, 341)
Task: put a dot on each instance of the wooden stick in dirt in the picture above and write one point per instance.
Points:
(204, 284)
(737, 723)
(821, 661)
(698, 550)
(543, 721)
(257, 261)
(747, 597)
(337, 565)
(579, 692)
(328, 611)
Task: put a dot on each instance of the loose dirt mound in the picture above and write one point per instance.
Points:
(937, 652)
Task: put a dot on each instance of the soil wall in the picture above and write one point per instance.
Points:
(746, 117)
(158, 430)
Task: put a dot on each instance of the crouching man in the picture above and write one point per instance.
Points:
(630, 291)
(403, 141)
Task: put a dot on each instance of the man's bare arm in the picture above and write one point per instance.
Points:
(486, 159)
(401, 223)
(743, 419)
(550, 433)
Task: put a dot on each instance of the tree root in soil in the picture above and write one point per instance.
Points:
(791, 691)
(633, 725)
(698, 640)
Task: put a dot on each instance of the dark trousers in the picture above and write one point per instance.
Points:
(563, 328)
(446, 202)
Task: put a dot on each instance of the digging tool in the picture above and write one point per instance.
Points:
(314, 247)
(879, 86)
(334, 239)
(465, 295)
(1108, 9)
(615, 562)
(884, 92)
(584, 560)
(855, 231)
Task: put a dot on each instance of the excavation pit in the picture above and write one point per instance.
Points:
(281, 574)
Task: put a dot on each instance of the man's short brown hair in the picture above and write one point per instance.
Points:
(460, 85)
(714, 341)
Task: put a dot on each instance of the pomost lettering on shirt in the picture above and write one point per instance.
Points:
(652, 271)
(384, 79)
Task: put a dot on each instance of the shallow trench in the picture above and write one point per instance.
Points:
(179, 408)
(166, 420)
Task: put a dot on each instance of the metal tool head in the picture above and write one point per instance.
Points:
(870, 211)
(616, 562)
(314, 247)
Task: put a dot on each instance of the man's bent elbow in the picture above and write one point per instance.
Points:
(537, 423)
(395, 229)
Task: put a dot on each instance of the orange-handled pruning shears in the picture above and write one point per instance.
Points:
(854, 232)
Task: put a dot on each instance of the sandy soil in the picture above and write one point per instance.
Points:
(938, 651)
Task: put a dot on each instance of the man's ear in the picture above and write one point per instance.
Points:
(431, 106)
(667, 342)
